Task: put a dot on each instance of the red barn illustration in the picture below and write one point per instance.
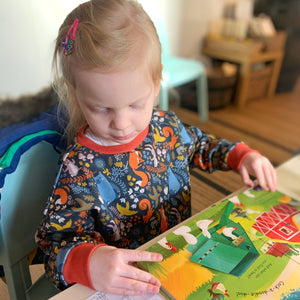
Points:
(276, 249)
(281, 223)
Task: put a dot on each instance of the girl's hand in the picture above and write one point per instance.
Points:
(262, 169)
(112, 271)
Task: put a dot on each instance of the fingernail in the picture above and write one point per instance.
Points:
(154, 281)
(154, 290)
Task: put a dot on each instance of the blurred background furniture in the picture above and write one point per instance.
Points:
(178, 71)
(249, 80)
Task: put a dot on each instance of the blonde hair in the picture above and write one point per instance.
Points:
(109, 32)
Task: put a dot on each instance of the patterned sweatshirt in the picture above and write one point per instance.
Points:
(126, 195)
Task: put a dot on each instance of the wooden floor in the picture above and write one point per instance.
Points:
(271, 126)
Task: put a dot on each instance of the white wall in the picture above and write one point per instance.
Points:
(170, 11)
(27, 33)
(28, 29)
(196, 15)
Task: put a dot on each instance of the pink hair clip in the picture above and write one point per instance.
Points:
(68, 43)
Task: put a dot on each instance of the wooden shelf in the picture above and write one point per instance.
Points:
(245, 62)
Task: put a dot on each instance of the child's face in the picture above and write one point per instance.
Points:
(116, 106)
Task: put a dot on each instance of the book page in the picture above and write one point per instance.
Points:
(105, 296)
(245, 247)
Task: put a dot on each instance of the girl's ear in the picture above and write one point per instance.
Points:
(157, 87)
(72, 93)
(156, 93)
(157, 83)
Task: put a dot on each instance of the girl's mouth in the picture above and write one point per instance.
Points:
(123, 138)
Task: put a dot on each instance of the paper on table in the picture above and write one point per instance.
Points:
(288, 178)
(104, 296)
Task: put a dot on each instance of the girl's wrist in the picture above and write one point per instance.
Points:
(76, 268)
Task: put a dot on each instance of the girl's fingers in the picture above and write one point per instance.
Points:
(135, 273)
(262, 169)
(269, 179)
(266, 176)
(118, 275)
(129, 277)
(273, 179)
(139, 255)
(245, 177)
(261, 178)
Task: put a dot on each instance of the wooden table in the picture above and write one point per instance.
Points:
(246, 61)
(288, 182)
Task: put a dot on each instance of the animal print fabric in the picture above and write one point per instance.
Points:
(125, 199)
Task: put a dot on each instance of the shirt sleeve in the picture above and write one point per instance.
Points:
(210, 153)
(68, 221)
(237, 155)
(76, 267)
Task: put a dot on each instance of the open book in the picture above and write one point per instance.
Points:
(246, 247)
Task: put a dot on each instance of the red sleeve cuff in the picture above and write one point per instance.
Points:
(76, 268)
(237, 155)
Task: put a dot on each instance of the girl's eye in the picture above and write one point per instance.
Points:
(102, 110)
(136, 105)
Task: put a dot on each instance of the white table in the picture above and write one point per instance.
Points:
(288, 175)
(288, 182)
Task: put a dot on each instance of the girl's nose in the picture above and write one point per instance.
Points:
(121, 120)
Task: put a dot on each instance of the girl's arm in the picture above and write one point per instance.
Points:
(211, 154)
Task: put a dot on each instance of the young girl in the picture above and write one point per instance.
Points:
(125, 177)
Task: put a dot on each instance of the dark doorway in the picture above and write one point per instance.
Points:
(285, 16)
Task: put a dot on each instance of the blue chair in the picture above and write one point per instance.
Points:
(178, 71)
(27, 173)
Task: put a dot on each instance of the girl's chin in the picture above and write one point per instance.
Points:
(115, 141)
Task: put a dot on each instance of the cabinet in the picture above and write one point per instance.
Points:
(245, 74)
